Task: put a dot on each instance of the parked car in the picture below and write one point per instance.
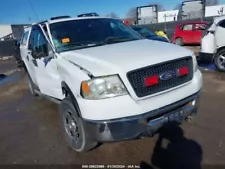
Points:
(188, 33)
(111, 84)
(146, 33)
(213, 44)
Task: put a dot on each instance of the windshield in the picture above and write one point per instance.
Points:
(144, 32)
(84, 33)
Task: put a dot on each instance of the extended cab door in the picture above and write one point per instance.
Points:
(220, 34)
(25, 53)
(44, 61)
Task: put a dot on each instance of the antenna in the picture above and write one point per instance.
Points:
(33, 10)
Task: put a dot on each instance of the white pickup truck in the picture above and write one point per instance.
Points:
(111, 84)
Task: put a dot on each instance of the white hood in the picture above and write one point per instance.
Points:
(122, 57)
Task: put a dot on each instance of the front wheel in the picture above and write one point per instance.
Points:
(219, 60)
(73, 127)
(179, 41)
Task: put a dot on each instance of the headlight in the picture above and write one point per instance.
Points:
(103, 87)
(195, 63)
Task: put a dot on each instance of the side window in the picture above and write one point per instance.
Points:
(188, 27)
(222, 24)
(25, 37)
(200, 27)
(38, 43)
(31, 39)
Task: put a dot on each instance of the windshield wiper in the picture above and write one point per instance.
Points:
(117, 39)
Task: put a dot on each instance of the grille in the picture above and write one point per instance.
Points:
(136, 77)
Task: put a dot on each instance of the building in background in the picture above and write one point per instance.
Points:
(5, 30)
(9, 32)
(167, 16)
(172, 15)
(216, 10)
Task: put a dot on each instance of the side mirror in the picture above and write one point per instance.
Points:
(211, 31)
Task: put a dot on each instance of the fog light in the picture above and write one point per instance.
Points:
(193, 102)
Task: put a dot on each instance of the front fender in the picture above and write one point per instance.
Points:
(72, 77)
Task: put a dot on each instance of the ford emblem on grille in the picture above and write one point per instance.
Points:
(167, 75)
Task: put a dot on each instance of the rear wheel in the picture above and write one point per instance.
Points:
(73, 127)
(220, 60)
(179, 41)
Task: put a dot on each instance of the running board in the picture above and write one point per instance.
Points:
(48, 97)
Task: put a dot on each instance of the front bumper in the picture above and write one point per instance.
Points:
(205, 57)
(144, 125)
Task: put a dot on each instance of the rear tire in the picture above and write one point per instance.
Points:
(219, 60)
(73, 127)
(179, 41)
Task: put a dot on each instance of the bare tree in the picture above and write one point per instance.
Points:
(177, 7)
(211, 2)
(131, 14)
(112, 15)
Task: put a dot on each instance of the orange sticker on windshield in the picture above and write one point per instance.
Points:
(66, 40)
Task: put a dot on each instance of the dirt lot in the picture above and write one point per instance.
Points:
(30, 132)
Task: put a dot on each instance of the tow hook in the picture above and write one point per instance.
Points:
(188, 118)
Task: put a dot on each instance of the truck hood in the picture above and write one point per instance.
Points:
(123, 57)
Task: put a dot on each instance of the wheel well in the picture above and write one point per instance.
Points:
(218, 50)
(67, 92)
(178, 38)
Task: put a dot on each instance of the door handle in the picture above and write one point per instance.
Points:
(27, 57)
(35, 62)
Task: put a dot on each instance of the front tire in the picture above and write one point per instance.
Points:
(219, 60)
(73, 127)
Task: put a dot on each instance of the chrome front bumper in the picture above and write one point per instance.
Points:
(144, 125)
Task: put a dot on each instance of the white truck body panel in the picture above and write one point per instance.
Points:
(118, 58)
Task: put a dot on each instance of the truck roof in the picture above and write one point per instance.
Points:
(72, 18)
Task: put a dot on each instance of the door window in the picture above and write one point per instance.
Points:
(39, 44)
(200, 27)
(25, 37)
(188, 27)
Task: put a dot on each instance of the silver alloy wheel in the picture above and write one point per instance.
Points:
(178, 41)
(221, 61)
(71, 126)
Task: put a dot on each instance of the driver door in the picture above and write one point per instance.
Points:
(44, 61)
